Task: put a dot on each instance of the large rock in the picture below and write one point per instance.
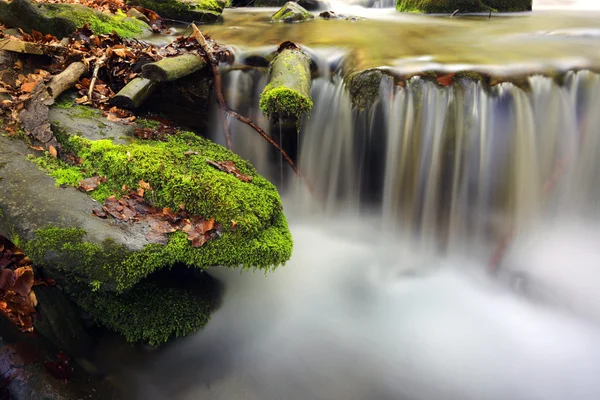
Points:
(63, 19)
(101, 262)
(200, 11)
(292, 12)
(464, 6)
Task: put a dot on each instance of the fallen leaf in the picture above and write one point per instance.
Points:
(91, 184)
(52, 151)
(229, 167)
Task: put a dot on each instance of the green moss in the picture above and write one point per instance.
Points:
(464, 6)
(176, 178)
(199, 10)
(288, 91)
(149, 313)
(364, 86)
(147, 123)
(284, 102)
(65, 101)
(118, 269)
(85, 112)
(261, 239)
(291, 12)
(100, 23)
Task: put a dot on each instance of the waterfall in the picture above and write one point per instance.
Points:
(465, 163)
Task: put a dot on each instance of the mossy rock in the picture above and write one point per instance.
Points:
(63, 19)
(464, 6)
(255, 233)
(288, 92)
(292, 12)
(200, 11)
(150, 313)
(364, 86)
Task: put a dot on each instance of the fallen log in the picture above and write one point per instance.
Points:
(134, 93)
(173, 68)
(288, 93)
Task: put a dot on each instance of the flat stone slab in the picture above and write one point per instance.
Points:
(30, 200)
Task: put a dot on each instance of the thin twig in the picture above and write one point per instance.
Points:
(214, 65)
(99, 64)
(225, 110)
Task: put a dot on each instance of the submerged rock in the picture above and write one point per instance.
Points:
(364, 86)
(100, 262)
(291, 12)
(63, 19)
(200, 11)
(463, 6)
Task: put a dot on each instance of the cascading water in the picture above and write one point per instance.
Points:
(387, 295)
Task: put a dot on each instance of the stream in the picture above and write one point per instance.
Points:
(389, 294)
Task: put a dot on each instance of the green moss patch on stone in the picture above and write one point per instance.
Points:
(464, 6)
(364, 86)
(63, 19)
(261, 238)
(288, 91)
(291, 12)
(184, 10)
(149, 313)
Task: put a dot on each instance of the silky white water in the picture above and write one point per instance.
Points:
(388, 295)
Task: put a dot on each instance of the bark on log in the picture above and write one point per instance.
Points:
(288, 92)
(170, 69)
(66, 79)
(134, 93)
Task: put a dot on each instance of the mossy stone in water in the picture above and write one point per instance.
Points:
(201, 11)
(464, 6)
(150, 313)
(63, 19)
(255, 232)
(292, 12)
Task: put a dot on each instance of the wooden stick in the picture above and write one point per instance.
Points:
(134, 93)
(214, 65)
(173, 68)
(226, 110)
(99, 64)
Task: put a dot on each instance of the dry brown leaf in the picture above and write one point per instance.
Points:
(52, 151)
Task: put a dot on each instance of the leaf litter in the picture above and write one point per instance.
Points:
(132, 207)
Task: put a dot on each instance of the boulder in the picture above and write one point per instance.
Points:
(464, 6)
(108, 266)
(291, 12)
(199, 11)
(63, 19)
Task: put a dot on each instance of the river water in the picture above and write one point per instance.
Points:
(395, 289)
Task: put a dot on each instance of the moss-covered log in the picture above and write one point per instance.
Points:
(200, 11)
(173, 68)
(288, 92)
(134, 93)
(463, 6)
(292, 12)
(63, 19)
